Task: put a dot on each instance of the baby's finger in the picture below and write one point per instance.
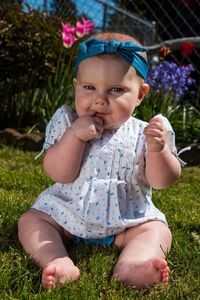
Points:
(153, 132)
(155, 124)
(98, 120)
(155, 120)
(99, 131)
(99, 127)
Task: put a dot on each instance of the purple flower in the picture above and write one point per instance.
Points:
(169, 77)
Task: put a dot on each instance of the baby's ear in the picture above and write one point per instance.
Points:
(144, 89)
(74, 82)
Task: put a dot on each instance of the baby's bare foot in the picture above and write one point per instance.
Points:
(59, 270)
(151, 272)
(162, 268)
(144, 274)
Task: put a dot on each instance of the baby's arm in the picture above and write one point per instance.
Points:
(62, 161)
(162, 167)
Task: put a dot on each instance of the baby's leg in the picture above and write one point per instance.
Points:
(142, 263)
(41, 237)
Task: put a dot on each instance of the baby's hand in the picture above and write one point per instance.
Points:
(88, 127)
(156, 135)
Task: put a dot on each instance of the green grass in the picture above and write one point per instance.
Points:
(22, 179)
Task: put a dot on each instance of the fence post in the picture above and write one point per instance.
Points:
(105, 10)
(45, 6)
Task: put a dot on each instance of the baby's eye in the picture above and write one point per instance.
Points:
(89, 87)
(117, 90)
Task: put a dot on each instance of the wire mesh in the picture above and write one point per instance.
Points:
(150, 21)
(165, 19)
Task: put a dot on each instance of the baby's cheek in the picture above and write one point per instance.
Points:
(126, 112)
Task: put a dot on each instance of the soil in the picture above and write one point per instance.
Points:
(24, 141)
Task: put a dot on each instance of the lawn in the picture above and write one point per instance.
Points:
(22, 179)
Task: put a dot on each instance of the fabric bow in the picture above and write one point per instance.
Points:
(126, 50)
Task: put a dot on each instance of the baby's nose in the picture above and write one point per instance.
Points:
(101, 99)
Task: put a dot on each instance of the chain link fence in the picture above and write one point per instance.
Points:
(153, 22)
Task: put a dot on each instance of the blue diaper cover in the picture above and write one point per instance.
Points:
(107, 241)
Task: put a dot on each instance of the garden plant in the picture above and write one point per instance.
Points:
(29, 95)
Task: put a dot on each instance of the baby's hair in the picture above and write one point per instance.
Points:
(109, 36)
(121, 37)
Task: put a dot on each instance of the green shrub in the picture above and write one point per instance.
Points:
(185, 120)
(31, 45)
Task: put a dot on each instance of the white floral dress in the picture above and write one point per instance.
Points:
(111, 192)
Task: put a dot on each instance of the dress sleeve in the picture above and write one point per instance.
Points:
(59, 123)
(171, 138)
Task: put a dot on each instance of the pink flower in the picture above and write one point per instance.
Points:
(84, 28)
(68, 29)
(68, 39)
(68, 36)
(71, 34)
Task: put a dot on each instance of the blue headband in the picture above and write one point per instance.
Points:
(127, 50)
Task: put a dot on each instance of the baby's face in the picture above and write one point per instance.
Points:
(108, 87)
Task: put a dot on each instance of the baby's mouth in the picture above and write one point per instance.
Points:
(100, 114)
